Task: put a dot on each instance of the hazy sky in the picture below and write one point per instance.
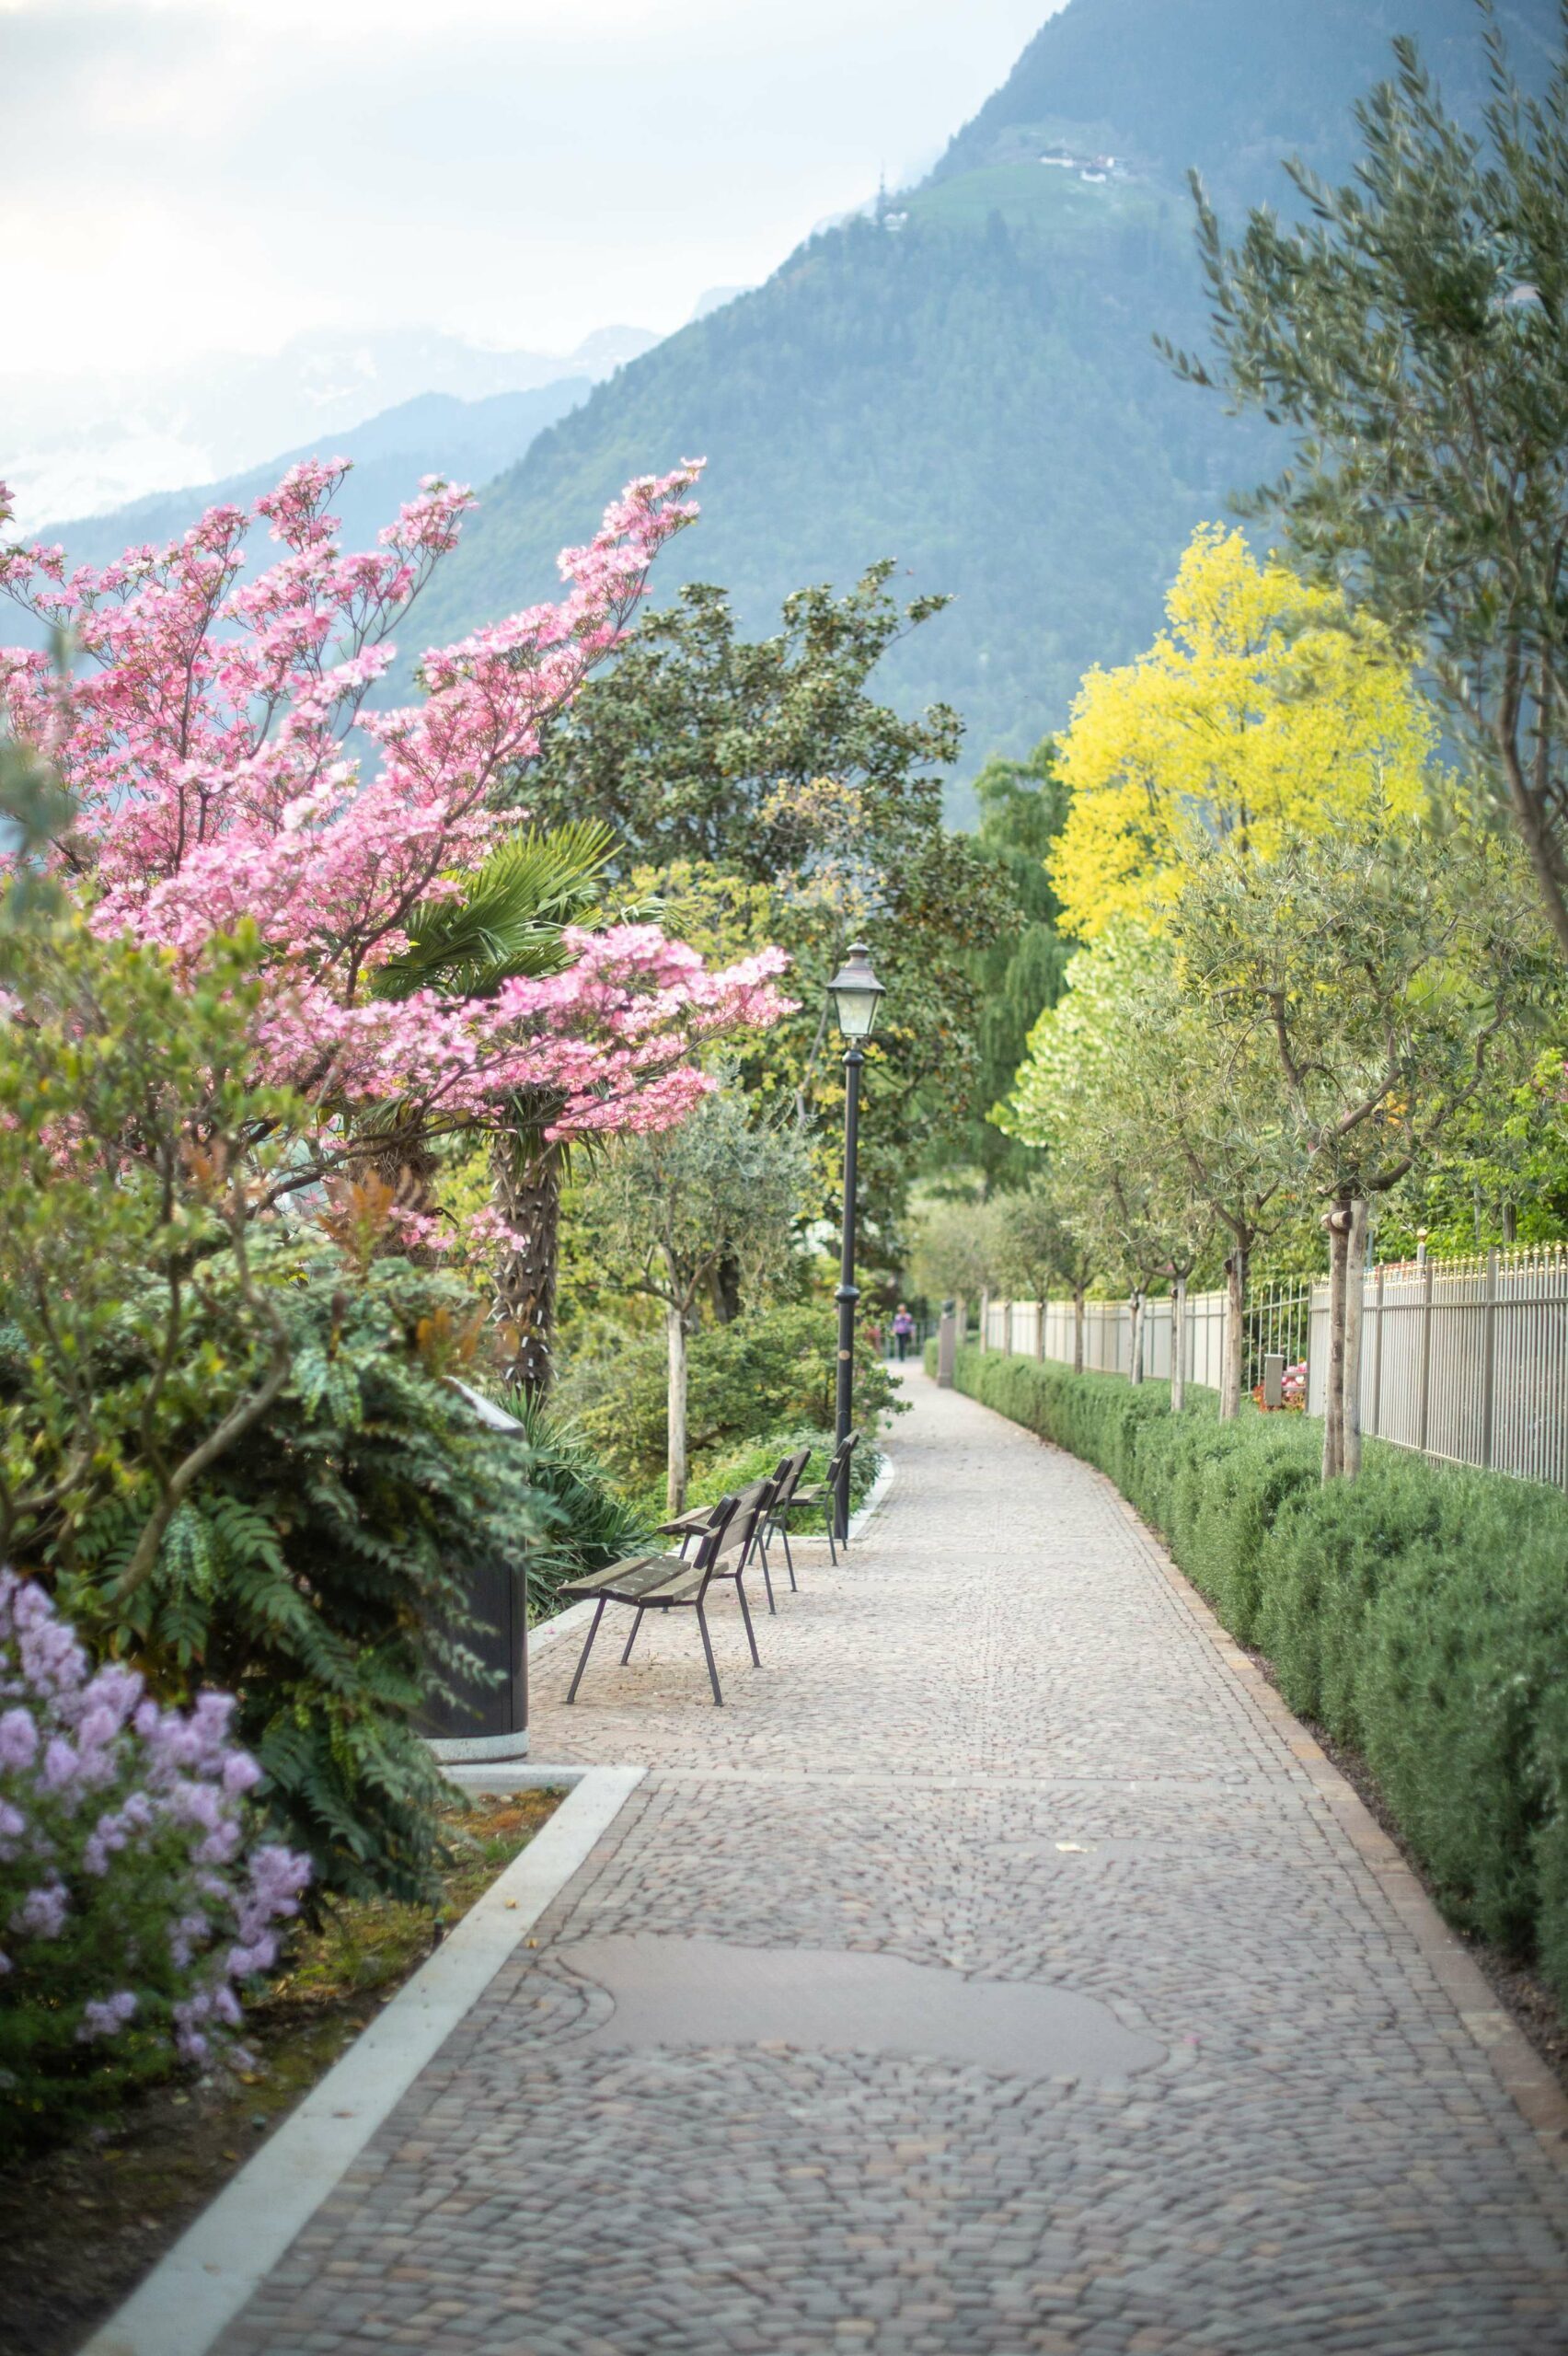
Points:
(182, 175)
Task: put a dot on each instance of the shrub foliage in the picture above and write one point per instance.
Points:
(1420, 1614)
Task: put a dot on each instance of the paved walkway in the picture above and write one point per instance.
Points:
(1124, 2046)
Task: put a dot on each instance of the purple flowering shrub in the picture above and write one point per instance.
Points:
(133, 1903)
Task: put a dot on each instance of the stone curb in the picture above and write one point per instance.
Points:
(193, 2294)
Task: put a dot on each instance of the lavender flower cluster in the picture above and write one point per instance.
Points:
(128, 1892)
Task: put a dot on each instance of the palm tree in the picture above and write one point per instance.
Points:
(509, 920)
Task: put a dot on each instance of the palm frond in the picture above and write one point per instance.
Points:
(507, 918)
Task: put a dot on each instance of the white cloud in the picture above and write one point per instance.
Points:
(183, 175)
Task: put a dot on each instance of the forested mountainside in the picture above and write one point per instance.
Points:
(967, 380)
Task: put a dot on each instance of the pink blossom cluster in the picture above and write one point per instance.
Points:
(208, 742)
(132, 1888)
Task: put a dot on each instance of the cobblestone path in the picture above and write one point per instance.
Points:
(998, 1753)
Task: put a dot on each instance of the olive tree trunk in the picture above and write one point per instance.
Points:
(1179, 1346)
(1235, 1336)
(1079, 1320)
(675, 1414)
(1354, 1299)
(1338, 1224)
(1136, 1369)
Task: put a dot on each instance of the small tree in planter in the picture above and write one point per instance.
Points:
(668, 1208)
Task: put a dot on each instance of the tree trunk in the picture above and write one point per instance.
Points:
(1136, 1369)
(1078, 1291)
(1510, 1225)
(961, 1319)
(1179, 1347)
(675, 1412)
(724, 1289)
(1338, 1224)
(1354, 1300)
(1235, 1336)
(406, 1165)
(984, 1316)
(527, 1175)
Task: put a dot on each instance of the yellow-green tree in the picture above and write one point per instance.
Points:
(1262, 709)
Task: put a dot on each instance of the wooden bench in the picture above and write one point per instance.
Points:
(676, 1583)
(825, 1491)
(776, 1521)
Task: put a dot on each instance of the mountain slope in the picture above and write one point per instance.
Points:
(966, 381)
(435, 433)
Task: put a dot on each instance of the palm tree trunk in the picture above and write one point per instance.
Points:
(406, 1164)
(527, 1173)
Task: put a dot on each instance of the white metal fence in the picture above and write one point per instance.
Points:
(1275, 1319)
(1465, 1361)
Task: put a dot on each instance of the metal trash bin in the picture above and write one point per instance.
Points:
(489, 1721)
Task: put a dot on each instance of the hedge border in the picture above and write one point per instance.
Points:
(1419, 1614)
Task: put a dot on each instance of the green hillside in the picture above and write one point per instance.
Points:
(967, 383)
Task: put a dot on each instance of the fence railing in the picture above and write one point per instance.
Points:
(1465, 1361)
(1275, 1319)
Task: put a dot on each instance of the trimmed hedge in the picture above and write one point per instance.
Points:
(1419, 1613)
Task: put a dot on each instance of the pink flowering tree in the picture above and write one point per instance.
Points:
(215, 739)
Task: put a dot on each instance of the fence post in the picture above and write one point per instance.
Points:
(1489, 1363)
(1378, 1355)
(1425, 1346)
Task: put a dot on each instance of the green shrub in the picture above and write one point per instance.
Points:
(319, 1571)
(769, 1372)
(595, 1523)
(1419, 1613)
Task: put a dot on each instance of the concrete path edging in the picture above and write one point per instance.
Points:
(194, 2292)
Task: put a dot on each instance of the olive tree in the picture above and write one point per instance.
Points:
(1410, 333)
(665, 1209)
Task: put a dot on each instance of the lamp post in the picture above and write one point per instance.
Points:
(856, 994)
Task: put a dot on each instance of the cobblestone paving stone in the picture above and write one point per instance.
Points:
(1323, 2159)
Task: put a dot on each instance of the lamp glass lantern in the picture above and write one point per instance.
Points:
(857, 995)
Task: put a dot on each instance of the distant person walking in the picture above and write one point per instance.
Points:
(902, 1330)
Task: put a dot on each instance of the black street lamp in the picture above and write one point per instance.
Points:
(856, 994)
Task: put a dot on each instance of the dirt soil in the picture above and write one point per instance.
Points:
(82, 2223)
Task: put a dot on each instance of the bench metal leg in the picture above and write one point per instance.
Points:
(789, 1558)
(708, 1648)
(768, 1583)
(632, 1638)
(746, 1615)
(587, 1649)
(832, 1518)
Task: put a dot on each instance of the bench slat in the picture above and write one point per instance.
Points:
(640, 1574)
